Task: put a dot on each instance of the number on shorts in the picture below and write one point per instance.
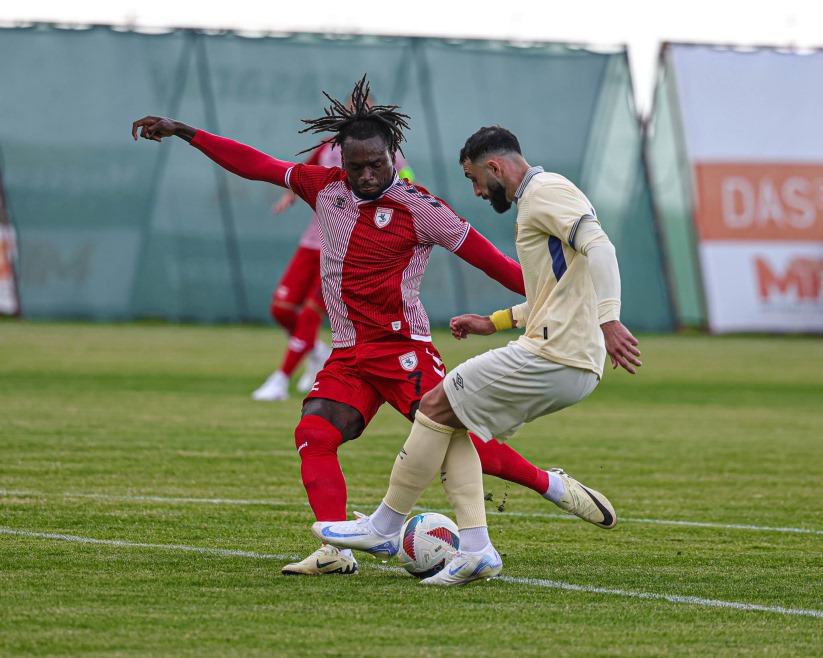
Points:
(416, 376)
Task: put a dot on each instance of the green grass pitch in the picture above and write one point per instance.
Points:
(148, 504)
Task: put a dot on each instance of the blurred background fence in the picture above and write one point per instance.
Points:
(112, 230)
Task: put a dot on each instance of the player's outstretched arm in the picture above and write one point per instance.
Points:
(621, 346)
(156, 128)
(236, 157)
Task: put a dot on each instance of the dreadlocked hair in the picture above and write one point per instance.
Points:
(360, 121)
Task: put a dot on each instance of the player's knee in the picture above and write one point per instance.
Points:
(436, 406)
(343, 418)
(283, 315)
(316, 437)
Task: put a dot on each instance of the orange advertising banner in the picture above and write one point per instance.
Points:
(769, 202)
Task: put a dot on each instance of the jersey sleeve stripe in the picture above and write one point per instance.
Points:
(573, 232)
(558, 260)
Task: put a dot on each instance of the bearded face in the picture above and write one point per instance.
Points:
(485, 185)
(496, 195)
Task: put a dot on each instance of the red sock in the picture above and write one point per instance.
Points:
(317, 441)
(302, 338)
(504, 462)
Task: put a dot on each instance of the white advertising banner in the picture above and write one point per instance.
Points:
(752, 134)
(770, 287)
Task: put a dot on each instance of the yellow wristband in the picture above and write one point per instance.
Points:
(501, 319)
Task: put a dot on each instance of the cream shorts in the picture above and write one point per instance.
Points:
(494, 394)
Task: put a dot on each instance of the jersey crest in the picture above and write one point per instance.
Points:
(408, 361)
(382, 217)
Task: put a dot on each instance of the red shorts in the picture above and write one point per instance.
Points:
(301, 280)
(365, 376)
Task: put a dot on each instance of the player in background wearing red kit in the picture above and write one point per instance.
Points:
(376, 234)
(297, 302)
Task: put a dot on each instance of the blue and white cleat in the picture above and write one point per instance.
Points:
(467, 567)
(357, 534)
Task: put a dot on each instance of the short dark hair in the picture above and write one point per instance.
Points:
(360, 121)
(490, 139)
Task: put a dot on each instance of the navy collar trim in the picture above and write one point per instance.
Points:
(530, 173)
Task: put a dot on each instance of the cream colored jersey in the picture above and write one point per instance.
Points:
(560, 313)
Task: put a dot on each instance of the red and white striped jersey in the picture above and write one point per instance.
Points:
(374, 253)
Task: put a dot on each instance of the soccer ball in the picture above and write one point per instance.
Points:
(429, 542)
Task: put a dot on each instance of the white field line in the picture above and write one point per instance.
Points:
(692, 524)
(672, 598)
(224, 552)
(534, 582)
(279, 503)
(150, 499)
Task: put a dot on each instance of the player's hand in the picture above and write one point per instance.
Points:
(463, 325)
(284, 202)
(156, 128)
(621, 346)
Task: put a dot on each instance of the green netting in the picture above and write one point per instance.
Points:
(109, 229)
(671, 184)
(614, 178)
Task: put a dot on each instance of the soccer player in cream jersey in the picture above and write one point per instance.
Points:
(571, 320)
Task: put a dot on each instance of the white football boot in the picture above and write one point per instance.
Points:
(325, 560)
(588, 504)
(356, 534)
(314, 363)
(465, 568)
(275, 388)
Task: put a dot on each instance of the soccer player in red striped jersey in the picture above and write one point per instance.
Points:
(376, 233)
(297, 302)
